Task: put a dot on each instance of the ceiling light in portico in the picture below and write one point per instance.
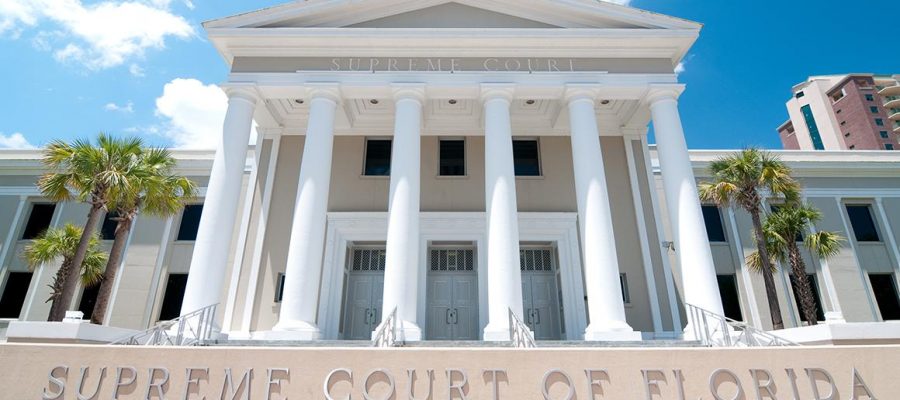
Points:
(452, 101)
(529, 102)
(298, 101)
(604, 102)
(373, 101)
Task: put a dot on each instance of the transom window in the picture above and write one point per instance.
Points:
(863, 223)
(452, 157)
(526, 157)
(378, 157)
(368, 260)
(452, 260)
(536, 260)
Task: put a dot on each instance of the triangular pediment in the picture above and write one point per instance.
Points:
(474, 14)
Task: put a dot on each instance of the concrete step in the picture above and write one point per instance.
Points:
(456, 343)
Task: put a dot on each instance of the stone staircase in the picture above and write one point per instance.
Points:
(458, 344)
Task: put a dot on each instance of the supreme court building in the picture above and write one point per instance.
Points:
(452, 163)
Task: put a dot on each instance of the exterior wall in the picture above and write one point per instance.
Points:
(788, 136)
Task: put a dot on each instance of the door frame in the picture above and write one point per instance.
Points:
(556, 273)
(345, 295)
(559, 228)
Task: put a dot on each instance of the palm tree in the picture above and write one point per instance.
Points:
(87, 173)
(782, 229)
(740, 179)
(156, 191)
(63, 242)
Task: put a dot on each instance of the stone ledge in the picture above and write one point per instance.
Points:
(64, 332)
(860, 333)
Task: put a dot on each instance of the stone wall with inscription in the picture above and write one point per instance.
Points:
(69, 372)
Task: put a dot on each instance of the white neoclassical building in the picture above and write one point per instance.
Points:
(455, 162)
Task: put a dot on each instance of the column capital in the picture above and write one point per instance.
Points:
(491, 91)
(411, 91)
(660, 92)
(581, 92)
(326, 91)
(245, 91)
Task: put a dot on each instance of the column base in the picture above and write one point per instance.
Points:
(611, 331)
(409, 332)
(293, 330)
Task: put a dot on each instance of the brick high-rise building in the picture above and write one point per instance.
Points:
(844, 112)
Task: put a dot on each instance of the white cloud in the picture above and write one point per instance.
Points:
(194, 113)
(128, 108)
(14, 141)
(136, 70)
(99, 35)
(679, 68)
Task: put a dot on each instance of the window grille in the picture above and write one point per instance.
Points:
(368, 260)
(536, 260)
(452, 260)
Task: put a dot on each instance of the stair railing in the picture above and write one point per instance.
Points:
(714, 330)
(192, 329)
(386, 334)
(520, 335)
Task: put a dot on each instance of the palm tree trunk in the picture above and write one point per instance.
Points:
(768, 279)
(56, 288)
(72, 277)
(112, 269)
(802, 286)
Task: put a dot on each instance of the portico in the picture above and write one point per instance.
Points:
(465, 250)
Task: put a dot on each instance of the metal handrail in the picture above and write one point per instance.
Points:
(519, 335)
(386, 334)
(192, 329)
(714, 330)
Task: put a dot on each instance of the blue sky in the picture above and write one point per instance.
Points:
(68, 72)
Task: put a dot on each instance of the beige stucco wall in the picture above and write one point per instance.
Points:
(303, 373)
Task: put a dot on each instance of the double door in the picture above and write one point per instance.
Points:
(452, 295)
(364, 294)
(540, 293)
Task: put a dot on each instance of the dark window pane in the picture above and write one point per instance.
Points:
(453, 158)
(38, 220)
(731, 303)
(171, 306)
(378, 158)
(814, 285)
(279, 291)
(812, 127)
(190, 222)
(88, 300)
(14, 294)
(885, 292)
(525, 158)
(863, 224)
(714, 228)
(108, 229)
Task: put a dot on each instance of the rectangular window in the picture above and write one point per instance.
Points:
(873, 109)
(870, 97)
(731, 302)
(799, 95)
(88, 300)
(623, 280)
(108, 229)
(171, 306)
(885, 291)
(38, 220)
(852, 146)
(190, 222)
(813, 128)
(14, 294)
(814, 286)
(452, 157)
(863, 224)
(888, 146)
(714, 227)
(526, 157)
(883, 134)
(879, 122)
(378, 157)
(279, 288)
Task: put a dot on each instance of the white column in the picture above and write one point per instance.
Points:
(401, 279)
(698, 273)
(220, 207)
(304, 263)
(504, 275)
(606, 308)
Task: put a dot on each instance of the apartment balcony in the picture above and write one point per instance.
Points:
(894, 114)
(896, 126)
(892, 102)
(893, 90)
